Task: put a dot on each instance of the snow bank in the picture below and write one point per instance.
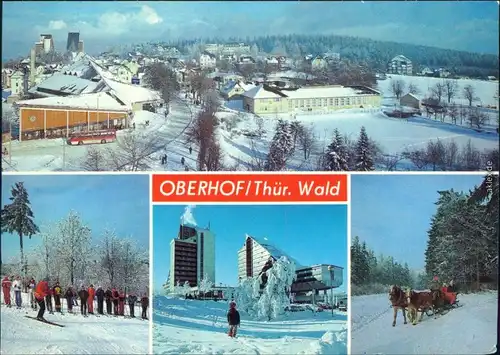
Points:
(330, 343)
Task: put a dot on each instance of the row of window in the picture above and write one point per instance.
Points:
(343, 101)
(62, 132)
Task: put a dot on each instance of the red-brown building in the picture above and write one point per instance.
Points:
(57, 117)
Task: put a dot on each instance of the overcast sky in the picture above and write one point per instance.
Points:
(471, 26)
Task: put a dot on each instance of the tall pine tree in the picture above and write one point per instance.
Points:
(336, 155)
(364, 153)
(281, 148)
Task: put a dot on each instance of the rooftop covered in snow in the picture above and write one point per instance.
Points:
(309, 92)
(102, 101)
(275, 252)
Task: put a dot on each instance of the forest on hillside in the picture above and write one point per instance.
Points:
(462, 246)
(375, 53)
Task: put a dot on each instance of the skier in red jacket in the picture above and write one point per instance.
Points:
(121, 303)
(91, 299)
(6, 285)
(41, 290)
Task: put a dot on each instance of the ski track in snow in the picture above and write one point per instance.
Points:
(81, 335)
(469, 329)
(199, 327)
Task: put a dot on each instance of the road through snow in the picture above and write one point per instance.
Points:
(470, 329)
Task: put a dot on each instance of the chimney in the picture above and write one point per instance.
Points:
(32, 66)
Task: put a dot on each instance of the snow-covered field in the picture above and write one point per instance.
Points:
(200, 327)
(81, 335)
(470, 329)
(484, 90)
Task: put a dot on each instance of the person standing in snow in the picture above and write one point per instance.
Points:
(233, 319)
(84, 296)
(31, 288)
(108, 295)
(132, 299)
(144, 305)
(434, 285)
(121, 303)
(41, 290)
(6, 286)
(48, 300)
(100, 300)
(56, 291)
(69, 298)
(114, 297)
(91, 292)
(17, 285)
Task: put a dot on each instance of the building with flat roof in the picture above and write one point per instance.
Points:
(264, 99)
(257, 255)
(59, 117)
(192, 256)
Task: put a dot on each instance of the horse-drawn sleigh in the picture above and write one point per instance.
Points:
(432, 303)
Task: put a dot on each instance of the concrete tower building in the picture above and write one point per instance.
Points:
(73, 39)
(192, 256)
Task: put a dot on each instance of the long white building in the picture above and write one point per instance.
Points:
(192, 256)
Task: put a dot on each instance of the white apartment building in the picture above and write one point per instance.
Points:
(192, 256)
(207, 61)
(400, 65)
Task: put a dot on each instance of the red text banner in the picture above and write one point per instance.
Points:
(249, 188)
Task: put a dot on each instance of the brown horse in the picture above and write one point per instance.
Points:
(420, 302)
(398, 301)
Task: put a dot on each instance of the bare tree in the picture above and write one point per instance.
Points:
(438, 91)
(469, 93)
(470, 157)
(477, 118)
(453, 112)
(94, 160)
(306, 141)
(397, 88)
(435, 151)
(418, 158)
(162, 79)
(247, 71)
(258, 159)
(200, 84)
(133, 153)
(389, 162)
(413, 89)
(259, 121)
(451, 157)
(450, 89)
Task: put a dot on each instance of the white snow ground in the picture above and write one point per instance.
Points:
(200, 327)
(81, 335)
(470, 329)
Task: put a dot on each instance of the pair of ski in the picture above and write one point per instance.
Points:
(46, 321)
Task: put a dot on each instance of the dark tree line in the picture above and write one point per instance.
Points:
(373, 274)
(463, 237)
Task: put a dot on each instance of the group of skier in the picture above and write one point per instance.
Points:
(41, 294)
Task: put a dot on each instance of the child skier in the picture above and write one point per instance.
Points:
(233, 319)
(57, 291)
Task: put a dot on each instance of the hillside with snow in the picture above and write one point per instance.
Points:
(200, 327)
(80, 335)
(469, 329)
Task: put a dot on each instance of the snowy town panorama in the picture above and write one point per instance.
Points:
(267, 102)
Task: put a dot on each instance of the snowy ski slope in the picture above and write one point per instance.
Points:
(200, 327)
(81, 335)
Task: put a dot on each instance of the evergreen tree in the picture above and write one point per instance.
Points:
(281, 147)
(337, 155)
(364, 158)
(18, 217)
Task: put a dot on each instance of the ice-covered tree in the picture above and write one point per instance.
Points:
(364, 153)
(205, 285)
(281, 147)
(336, 154)
(247, 295)
(276, 294)
(17, 217)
